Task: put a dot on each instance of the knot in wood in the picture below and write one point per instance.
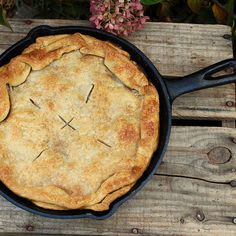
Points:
(219, 155)
(182, 220)
(29, 227)
(227, 36)
(234, 140)
(28, 22)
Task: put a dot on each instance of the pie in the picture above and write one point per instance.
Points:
(79, 122)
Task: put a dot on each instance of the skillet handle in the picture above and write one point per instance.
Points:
(201, 79)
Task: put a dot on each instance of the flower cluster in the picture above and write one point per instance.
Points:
(120, 17)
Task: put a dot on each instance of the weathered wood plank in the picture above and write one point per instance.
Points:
(166, 205)
(179, 49)
(208, 153)
(24, 25)
(176, 50)
(187, 196)
(212, 103)
(3, 48)
(164, 43)
(229, 123)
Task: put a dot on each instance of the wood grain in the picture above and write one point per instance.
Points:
(166, 205)
(206, 104)
(190, 148)
(176, 50)
(193, 191)
(187, 196)
(229, 123)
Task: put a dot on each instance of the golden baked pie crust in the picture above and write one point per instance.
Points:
(140, 133)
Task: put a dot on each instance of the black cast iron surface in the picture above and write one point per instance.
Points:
(168, 90)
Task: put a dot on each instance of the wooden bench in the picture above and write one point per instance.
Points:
(193, 191)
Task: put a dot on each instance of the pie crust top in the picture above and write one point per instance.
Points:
(79, 122)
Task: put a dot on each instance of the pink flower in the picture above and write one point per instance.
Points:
(120, 17)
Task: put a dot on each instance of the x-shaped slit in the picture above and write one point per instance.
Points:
(67, 123)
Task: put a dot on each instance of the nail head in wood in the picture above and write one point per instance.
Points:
(233, 183)
(200, 216)
(182, 220)
(219, 155)
(134, 231)
(234, 220)
(229, 103)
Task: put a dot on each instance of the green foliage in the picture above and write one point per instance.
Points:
(193, 11)
(230, 9)
(195, 5)
(3, 18)
(151, 2)
(59, 9)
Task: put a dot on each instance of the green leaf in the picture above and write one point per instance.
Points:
(195, 5)
(151, 2)
(3, 18)
(230, 9)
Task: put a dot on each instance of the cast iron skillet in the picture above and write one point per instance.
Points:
(168, 90)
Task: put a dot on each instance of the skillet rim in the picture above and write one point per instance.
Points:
(165, 119)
